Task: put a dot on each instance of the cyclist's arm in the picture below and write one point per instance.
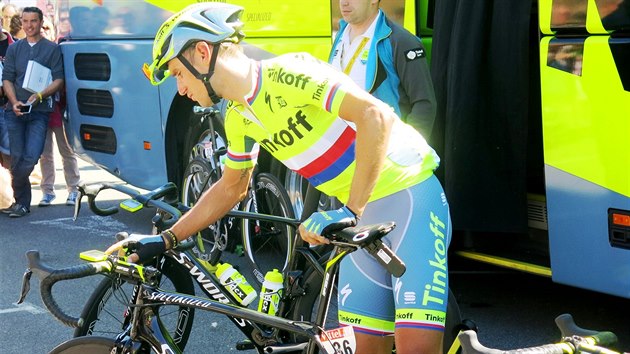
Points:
(215, 202)
(373, 120)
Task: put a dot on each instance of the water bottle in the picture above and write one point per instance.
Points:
(270, 293)
(236, 284)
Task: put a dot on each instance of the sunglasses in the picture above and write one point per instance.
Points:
(155, 76)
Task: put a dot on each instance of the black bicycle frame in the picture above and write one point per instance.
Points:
(223, 302)
(246, 319)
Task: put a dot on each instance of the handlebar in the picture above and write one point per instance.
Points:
(574, 339)
(49, 276)
(199, 110)
(149, 199)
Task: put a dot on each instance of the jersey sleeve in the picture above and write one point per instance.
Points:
(242, 150)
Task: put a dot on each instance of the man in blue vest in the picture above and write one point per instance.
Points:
(386, 60)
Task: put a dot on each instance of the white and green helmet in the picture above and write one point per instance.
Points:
(211, 22)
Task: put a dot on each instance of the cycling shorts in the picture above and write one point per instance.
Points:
(372, 300)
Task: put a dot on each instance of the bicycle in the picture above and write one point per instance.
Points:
(266, 244)
(574, 340)
(275, 333)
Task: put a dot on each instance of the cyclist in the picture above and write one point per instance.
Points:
(345, 142)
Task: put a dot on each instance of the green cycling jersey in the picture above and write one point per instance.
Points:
(293, 114)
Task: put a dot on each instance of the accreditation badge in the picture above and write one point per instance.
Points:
(364, 56)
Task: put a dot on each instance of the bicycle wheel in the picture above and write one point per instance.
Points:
(296, 186)
(267, 244)
(198, 177)
(83, 345)
(305, 308)
(104, 313)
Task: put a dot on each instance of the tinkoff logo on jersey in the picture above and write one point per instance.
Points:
(296, 128)
(287, 78)
(319, 90)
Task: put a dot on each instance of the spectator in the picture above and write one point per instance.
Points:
(8, 11)
(15, 27)
(386, 60)
(63, 24)
(5, 158)
(100, 20)
(27, 131)
(47, 160)
(80, 20)
(6, 194)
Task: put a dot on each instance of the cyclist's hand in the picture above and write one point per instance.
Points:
(144, 247)
(326, 221)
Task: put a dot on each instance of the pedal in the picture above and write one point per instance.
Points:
(245, 345)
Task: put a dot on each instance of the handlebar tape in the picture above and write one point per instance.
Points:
(63, 274)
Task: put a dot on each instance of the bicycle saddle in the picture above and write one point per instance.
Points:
(362, 235)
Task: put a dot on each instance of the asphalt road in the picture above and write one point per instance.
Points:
(511, 309)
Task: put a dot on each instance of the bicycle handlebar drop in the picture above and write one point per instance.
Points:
(150, 199)
(48, 277)
(574, 340)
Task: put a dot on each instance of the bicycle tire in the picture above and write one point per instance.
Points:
(198, 177)
(103, 313)
(83, 345)
(296, 187)
(304, 308)
(267, 244)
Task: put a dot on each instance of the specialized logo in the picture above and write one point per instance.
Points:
(413, 54)
(283, 77)
(397, 286)
(296, 128)
(433, 291)
(203, 281)
(258, 17)
(345, 292)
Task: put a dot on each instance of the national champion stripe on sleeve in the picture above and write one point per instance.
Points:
(243, 157)
(330, 97)
(258, 83)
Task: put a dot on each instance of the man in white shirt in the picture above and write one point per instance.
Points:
(386, 60)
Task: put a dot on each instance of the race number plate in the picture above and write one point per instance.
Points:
(339, 340)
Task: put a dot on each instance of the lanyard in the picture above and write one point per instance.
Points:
(356, 54)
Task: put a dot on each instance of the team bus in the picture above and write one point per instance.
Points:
(568, 164)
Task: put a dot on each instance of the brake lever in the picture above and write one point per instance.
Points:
(77, 204)
(26, 285)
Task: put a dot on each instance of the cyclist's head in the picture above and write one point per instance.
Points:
(214, 23)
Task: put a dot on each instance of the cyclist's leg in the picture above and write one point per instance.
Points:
(417, 301)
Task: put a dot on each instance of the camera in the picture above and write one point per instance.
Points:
(26, 108)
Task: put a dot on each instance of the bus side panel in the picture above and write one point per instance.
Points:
(586, 135)
(135, 120)
(580, 252)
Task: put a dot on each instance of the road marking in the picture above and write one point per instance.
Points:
(99, 225)
(25, 306)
